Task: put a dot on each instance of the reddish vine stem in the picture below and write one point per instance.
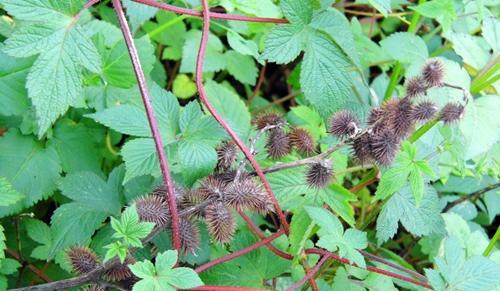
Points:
(311, 273)
(369, 268)
(255, 229)
(392, 265)
(239, 253)
(256, 90)
(216, 15)
(203, 97)
(153, 124)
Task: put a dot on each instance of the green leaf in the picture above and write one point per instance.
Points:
(338, 198)
(214, 59)
(242, 67)
(30, 168)
(42, 10)
(9, 266)
(476, 273)
(184, 278)
(479, 126)
(91, 191)
(289, 186)
(166, 260)
(116, 249)
(117, 68)
(197, 159)
(472, 49)
(138, 13)
(73, 223)
(332, 21)
(55, 80)
(491, 32)
(333, 237)
(421, 220)
(8, 195)
(130, 229)
(140, 158)
(417, 184)
(284, 43)
(384, 6)
(441, 10)
(143, 269)
(300, 230)
(323, 77)
(39, 232)
(230, 106)
(297, 11)
(77, 146)
(13, 72)
(241, 45)
(405, 47)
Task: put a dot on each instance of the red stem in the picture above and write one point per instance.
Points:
(225, 288)
(192, 12)
(255, 229)
(369, 268)
(134, 57)
(240, 252)
(222, 122)
(392, 265)
(310, 274)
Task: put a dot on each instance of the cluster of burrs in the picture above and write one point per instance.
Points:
(83, 260)
(393, 121)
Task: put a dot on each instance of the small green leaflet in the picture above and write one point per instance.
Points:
(297, 11)
(13, 72)
(129, 228)
(55, 80)
(405, 47)
(39, 232)
(116, 249)
(420, 220)
(405, 168)
(138, 13)
(8, 195)
(301, 228)
(333, 237)
(162, 276)
(384, 6)
(455, 272)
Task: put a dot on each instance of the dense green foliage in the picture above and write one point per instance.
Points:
(76, 149)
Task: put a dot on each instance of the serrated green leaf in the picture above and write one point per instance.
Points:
(184, 87)
(337, 198)
(73, 223)
(42, 10)
(140, 158)
(324, 74)
(13, 72)
(130, 229)
(197, 159)
(384, 6)
(326, 220)
(184, 278)
(2, 243)
(242, 67)
(416, 184)
(297, 11)
(39, 232)
(9, 266)
(29, 167)
(8, 195)
(116, 249)
(284, 43)
(91, 191)
(300, 230)
(421, 220)
(241, 45)
(143, 269)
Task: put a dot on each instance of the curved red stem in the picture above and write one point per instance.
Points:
(239, 253)
(225, 288)
(310, 274)
(141, 80)
(180, 10)
(223, 123)
(369, 268)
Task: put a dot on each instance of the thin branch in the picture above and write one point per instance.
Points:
(215, 15)
(222, 122)
(369, 268)
(310, 275)
(392, 265)
(239, 253)
(256, 90)
(153, 124)
(472, 196)
(34, 269)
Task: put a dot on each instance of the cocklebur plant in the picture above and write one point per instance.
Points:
(257, 153)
